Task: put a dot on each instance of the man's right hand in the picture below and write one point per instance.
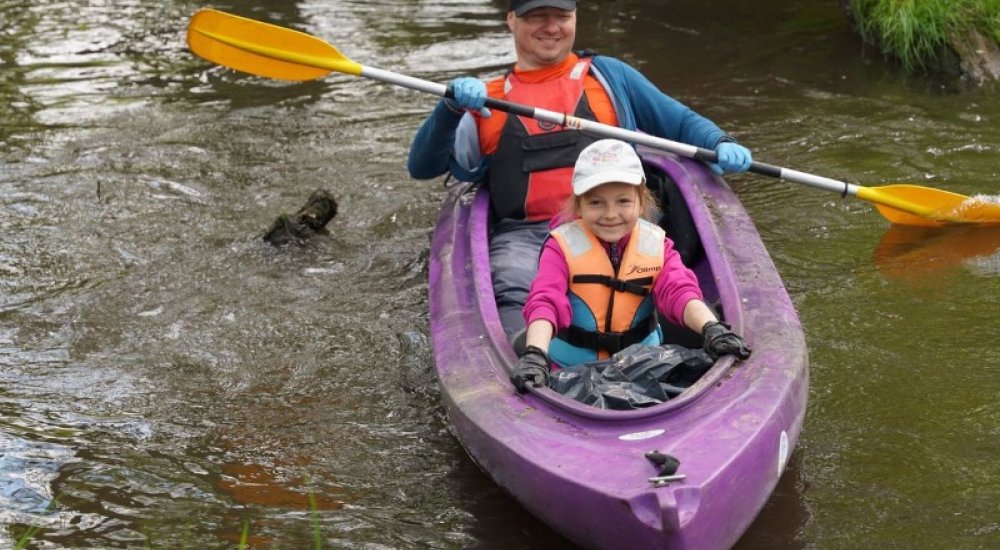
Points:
(532, 368)
(469, 94)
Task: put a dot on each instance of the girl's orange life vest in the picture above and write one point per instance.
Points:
(611, 308)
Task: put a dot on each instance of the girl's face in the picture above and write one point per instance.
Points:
(610, 211)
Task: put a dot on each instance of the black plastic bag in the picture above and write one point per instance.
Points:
(636, 377)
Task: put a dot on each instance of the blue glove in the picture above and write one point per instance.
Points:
(731, 157)
(469, 94)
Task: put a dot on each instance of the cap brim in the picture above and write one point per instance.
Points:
(583, 185)
(568, 5)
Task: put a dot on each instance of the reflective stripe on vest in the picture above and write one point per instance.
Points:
(530, 173)
(604, 302)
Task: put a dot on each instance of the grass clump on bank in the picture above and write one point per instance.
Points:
(991, 17)
(917, 30)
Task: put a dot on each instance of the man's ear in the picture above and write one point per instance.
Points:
(510, 20)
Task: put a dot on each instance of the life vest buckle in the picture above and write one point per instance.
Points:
(611, 342)
(618, 285)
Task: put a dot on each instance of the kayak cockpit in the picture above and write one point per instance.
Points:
(697, 248)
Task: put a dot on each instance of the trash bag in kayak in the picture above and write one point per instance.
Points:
(637, 376)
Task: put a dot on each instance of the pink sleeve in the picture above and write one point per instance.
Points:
(675, 287)
(548, 298)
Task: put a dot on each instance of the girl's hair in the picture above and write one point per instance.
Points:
(648, 207)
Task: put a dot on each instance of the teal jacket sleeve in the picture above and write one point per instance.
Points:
(431, 148)
(446, 142)
(641, 106)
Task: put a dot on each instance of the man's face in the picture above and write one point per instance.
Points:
(543, 37)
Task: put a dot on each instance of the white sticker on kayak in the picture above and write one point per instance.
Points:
(637, 436)
(782, 452)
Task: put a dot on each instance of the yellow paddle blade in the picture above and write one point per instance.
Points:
(263, 49)
(915, 205)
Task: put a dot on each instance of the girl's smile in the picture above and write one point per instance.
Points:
(610, 211)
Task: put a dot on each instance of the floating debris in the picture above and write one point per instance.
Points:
(309, 220)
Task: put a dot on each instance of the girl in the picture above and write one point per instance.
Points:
(603, 275)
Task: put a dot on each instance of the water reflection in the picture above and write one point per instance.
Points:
(782, 523)
(34, 449)
(167, 376)
(258, 485)
(16, 108)
(929, 254)
(495, 520)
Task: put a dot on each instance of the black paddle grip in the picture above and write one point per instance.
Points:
(766, 169)
(762, 168)
(501, 105)
(508, 107)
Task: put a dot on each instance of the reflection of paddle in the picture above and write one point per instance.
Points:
(913, 253)
(276, 52)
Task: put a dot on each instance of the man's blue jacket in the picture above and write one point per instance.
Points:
(449, 142)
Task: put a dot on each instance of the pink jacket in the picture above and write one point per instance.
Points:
(549, 300)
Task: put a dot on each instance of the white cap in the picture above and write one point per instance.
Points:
(606, 161)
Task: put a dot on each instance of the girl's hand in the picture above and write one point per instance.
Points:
(720, 340)
(532, 368)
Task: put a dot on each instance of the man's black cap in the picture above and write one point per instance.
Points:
(521, 7)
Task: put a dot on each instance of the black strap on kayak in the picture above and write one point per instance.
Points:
(632, 286)
(667, 464)
(611, 342)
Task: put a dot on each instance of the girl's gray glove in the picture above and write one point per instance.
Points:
(532, 368)
(720, 340)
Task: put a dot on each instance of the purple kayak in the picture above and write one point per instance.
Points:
(583, 470)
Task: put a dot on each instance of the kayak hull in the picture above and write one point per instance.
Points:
(583, 470)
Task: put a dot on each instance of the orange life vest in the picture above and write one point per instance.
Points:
(531, 170)
(612, 308)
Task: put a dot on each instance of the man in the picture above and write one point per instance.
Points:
(527, 165)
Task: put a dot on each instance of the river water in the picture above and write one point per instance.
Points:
(167, 379)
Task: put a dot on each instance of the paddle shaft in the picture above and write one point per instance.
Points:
(276, 52)
(605, 130)
(333, 60)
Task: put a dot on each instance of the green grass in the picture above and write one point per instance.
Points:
(25, 538)
(916, 30)
(991, 18)
(245, 535)
(31, 531)
(317, 532)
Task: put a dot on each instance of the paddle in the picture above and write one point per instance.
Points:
(276, 52)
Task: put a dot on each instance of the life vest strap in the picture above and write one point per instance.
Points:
(611, 342)
(633, 286)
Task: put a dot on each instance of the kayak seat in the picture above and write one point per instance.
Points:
(675, 217)
(678, 223)
(683, 336)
